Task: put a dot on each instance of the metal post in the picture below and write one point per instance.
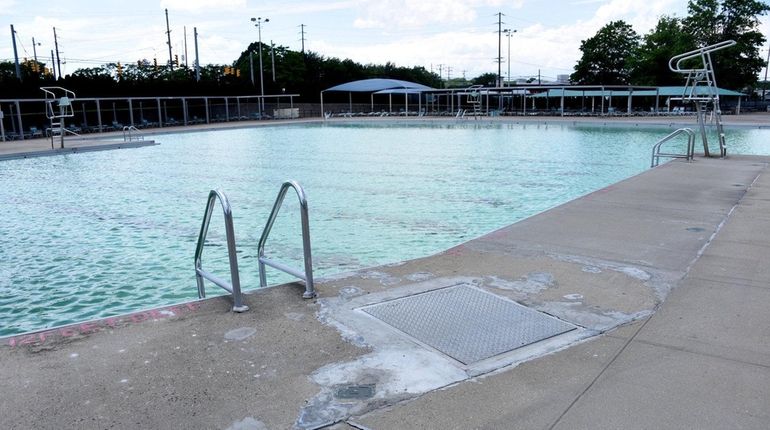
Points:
(272, 58)
(58, 59)
(168, 34)
(18, 117)
(499, 43)
(99, 115)
(15, 54)
(767, 64)
(185, 45)
(198, 62)
(258, 23)
(34, 50)
(251, 66)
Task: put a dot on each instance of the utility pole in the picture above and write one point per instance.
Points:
(258, 23)
(272, 58)
(448, 73)
(15, 53)
(168, 34)
(302, 31)
(34, 48)
(58, 59)
(197, 60)
(251, 67)
(185, 45)
(767, 64)
(499, 48)
(53, 68)
(508, 32)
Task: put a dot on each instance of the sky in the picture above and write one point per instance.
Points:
(452, 37)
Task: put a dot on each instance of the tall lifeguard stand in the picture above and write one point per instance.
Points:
(58, 102)
(701, 88)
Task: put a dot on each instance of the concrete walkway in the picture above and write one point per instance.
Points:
(664, 276)
(701, 361)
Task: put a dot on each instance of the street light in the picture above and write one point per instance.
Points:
(258, 23)
(509, 33)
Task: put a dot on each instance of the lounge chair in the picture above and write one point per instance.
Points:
(35, 132)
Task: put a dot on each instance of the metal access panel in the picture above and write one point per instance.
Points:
(466, 323)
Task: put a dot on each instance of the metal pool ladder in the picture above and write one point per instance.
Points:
(200, 274)
(263, 261)
(656, 154)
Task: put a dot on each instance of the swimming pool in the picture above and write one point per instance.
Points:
(105, 233)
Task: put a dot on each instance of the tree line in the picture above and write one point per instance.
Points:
(615, 55)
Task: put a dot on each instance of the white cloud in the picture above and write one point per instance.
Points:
(554, 49)
(201, 5)
(7, 7)
(414, 14)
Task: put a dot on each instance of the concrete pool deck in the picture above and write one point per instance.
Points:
(665, 275)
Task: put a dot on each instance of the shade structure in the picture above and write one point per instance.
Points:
(377, 86)
(661, 91)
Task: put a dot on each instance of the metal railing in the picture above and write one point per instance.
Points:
(701, 88)
(263, 261)
(128, 136)
(200, 274)
(656, 154)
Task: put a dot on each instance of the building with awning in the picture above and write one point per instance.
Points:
(607, 94)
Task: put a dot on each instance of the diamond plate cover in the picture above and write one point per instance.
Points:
(466, 323)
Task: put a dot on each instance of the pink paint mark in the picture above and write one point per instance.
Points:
(68, 331)
(86, 328)
(137, 318)
(95, 326)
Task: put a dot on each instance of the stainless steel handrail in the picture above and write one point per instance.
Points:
(656, 154)
(130, 138)
(308, 275)
(695, 53)
(200, 274)
(704, 79)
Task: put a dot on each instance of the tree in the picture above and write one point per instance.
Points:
(606, 55)
(486, 79)
(713, 21)
(649, 64)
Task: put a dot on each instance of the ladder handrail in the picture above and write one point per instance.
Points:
(129, 129)
(656, 154)
(200, 274)
(308, 275)
(695, 53)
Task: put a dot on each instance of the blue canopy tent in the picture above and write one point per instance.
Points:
(376, 86)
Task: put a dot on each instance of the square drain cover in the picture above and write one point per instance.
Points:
(466, 323)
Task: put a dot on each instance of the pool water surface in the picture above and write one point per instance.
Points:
(99, 234)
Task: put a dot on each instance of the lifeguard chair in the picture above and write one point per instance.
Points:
(58, 102)
(701, 88)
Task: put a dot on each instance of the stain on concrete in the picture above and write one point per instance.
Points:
(248, 423)
(239, 334)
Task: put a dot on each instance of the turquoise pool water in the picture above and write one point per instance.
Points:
(105, 233)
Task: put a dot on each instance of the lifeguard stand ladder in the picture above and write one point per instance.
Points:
(701, 88)
(62, 99)
(474, 98)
